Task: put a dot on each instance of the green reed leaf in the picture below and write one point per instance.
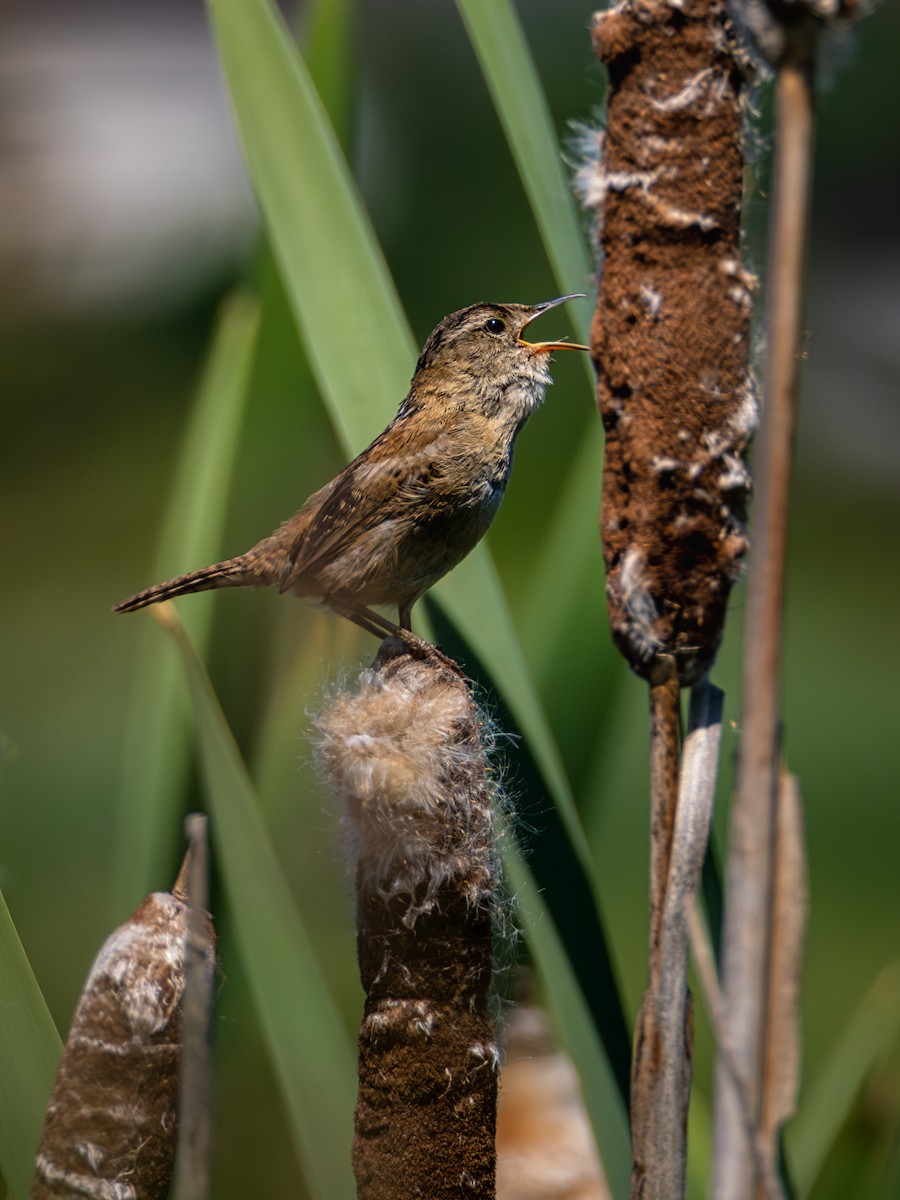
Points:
(311, 1053)
(573, 1025)
(156, 737)
(29, 1054)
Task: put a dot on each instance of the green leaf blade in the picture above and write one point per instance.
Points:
(29, 1054)
(871, 1031)
(574, 1026)
(512, 79)
(310, 1051)
(356, 333)
(156, 736)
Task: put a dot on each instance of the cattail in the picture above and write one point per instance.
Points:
(670, 340)
(671, 331)
(405, 754)
(545, 1144)
(110, 1127)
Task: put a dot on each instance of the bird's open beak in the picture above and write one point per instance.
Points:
(546, 347)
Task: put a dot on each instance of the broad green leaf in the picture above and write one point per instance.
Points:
(29, 1054)
(329, 38)
(699, 1144)
(573, 1025)
(488, 629)
(512, 79)
(337, 281)
(560, 561)
(156, 737)
(889, 1184)
(354, 328)
(869, 1034)
(311, 1054)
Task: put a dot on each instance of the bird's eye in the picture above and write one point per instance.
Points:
(494, 325)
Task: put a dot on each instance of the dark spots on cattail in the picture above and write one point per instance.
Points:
(619, 66)
(671, 333)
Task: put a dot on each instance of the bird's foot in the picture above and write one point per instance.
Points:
(427, 650)
(381, 627)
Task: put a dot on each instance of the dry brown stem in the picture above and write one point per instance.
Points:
(406, 754)
(783, 1042)
(750, 916)
(705, 962)
(662, 1061)
(665, 756)
(193, 1158)
(789, 903)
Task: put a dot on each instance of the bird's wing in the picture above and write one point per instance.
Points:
(386, 482)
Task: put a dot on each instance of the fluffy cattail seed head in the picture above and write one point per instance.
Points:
(405, 755)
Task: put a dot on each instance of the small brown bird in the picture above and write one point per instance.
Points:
(417, 500)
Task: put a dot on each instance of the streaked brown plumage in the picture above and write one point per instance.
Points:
(417, 500)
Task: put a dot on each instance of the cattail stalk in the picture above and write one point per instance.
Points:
(750, 910)
(406, 755)
(193, 1158)
(671, 345)
(111, 1122)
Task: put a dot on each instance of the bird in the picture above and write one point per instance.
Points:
(421, 496)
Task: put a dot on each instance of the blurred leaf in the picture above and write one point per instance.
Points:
(699, 1145)
(869, 1034)
(488, 629)
(309, 1048)
(156, 736)
(329, 41)
(355, 331)
(573, 1025)
(560, 559)
(512, 79)
(889, 1183)
(29, 1055)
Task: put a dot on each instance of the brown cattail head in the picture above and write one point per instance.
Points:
(110, 1126)
(406, 756)
(671, 331)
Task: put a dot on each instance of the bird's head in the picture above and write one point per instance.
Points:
(480, 357)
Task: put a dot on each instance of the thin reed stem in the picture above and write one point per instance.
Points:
(748, 920)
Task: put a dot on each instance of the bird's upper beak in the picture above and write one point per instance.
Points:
(536, 311)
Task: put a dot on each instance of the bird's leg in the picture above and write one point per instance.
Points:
(390, 629)
(381, 627)
(364, 618)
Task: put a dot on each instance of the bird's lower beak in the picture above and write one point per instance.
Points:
(546, 347)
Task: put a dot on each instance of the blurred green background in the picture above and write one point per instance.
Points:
(124, 219)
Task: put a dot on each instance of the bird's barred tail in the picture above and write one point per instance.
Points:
(236, 572)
